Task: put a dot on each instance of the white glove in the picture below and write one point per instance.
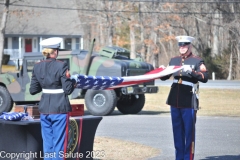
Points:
(74, 77)
(187, 68)
(162, 66)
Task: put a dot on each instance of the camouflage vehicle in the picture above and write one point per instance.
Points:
(109, 61)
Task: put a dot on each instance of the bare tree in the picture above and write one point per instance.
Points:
(150, 27)
(2, 29)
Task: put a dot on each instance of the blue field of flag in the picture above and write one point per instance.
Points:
(97, 82)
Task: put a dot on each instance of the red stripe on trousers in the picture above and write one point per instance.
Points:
(66, 136)
(80, 136)
(193, 136)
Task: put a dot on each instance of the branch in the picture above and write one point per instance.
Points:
(16, 1)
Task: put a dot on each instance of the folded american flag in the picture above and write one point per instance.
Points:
(13, 116)
(108, 82)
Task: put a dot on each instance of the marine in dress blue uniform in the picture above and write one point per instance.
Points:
(51, 77)
(183, 97)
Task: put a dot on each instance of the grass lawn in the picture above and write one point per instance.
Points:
(212, 102)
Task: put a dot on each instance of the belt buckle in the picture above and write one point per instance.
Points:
(179, 81)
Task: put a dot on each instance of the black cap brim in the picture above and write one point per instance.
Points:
(183, 43)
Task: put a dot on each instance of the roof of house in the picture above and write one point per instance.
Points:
(43, 17)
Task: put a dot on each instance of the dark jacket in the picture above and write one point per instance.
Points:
(180, 95)
(51, 74)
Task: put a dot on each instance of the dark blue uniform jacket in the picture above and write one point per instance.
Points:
(51, 74)
(180, 95)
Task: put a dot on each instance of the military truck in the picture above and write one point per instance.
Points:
(109, 61)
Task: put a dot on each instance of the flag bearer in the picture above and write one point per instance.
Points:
(183, 97)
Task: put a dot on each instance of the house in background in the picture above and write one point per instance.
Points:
(18, 45)
(31, 21)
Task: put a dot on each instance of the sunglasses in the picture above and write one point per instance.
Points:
(180, 44)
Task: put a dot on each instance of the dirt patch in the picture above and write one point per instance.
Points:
(114, 149)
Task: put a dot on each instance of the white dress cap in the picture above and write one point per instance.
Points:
(53, 42)
(185, 39)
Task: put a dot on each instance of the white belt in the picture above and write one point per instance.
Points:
(53, 91)
(183, 82)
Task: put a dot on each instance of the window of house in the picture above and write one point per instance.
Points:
(15, 43)
(5, 43)
(35, 43)
(68, 43)
(77, 43)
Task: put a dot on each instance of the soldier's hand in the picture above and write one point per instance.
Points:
(74, 77)
(187, 68)
(68, 75)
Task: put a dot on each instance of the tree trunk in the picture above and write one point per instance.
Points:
(163, 50)
(132, 41)
(238, 63)
(156, 61)
(215, 35)
(110, 24)
(110, 34)
(230, 68)
(2, 29)
(156, 52)
(143, 45)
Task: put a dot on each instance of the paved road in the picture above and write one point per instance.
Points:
(217, 138)
(221, 84)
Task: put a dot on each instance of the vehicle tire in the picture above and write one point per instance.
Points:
(100, 102)
(6, 102)
(130, 104)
